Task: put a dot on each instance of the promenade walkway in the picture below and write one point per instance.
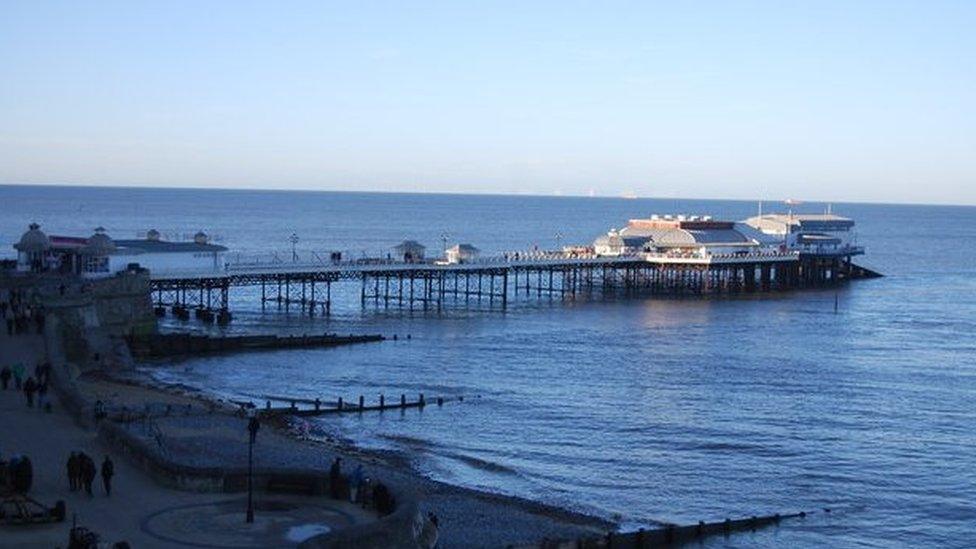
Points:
(139, 511)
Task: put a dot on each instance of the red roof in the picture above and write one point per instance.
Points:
(67, 241)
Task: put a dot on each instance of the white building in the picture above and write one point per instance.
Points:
(410, 251)
(160, 256)
(617, 243)
(819, 234)
(100, 256)
(461, 253)
(33, 250)
(698, 236)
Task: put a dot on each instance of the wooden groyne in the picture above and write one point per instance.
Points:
(169, 345)
(305, 407)
(671, 535)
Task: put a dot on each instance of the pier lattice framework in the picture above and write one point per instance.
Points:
(495, 283)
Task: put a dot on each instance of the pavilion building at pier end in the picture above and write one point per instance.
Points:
(99, 256)
(686, 236)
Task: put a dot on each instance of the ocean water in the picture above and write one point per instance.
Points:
(651, 410)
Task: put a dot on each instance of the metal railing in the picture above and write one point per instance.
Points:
(339, 261)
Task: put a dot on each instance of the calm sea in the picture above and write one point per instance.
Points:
(648, 409)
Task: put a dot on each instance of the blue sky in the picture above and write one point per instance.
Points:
(855, 100)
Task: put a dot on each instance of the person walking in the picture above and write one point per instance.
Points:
(5, 375)
(18, 376)
(42, 372)
(108, 471)
(430, 532)
(29, 388)
(335, 475)
(87, 472)
(355, 481)
(99, 411)
(41, 394)
(74, 469)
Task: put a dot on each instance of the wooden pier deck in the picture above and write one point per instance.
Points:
(494, 282)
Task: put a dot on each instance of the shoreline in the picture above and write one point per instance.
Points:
(391, 466)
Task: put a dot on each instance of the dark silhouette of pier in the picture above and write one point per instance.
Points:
(433, 286)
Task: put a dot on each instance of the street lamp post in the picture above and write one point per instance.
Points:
(559, 239)
(294, 241)
(252, 429)
(444, 237)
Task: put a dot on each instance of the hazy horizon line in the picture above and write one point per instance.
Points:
(534, 194)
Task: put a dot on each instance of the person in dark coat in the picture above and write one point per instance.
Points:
(335, 476)
(30, 386)
(74, 471)
(108, 471)
(99, 411)
(18, 376)
(5, 375)
(88, 472)
(41, 394)
(20, 474)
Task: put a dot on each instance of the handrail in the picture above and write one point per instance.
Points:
(315, 262)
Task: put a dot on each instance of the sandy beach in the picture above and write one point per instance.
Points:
(468, 518)
(202, 432)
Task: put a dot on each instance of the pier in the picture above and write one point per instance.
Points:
(659, 255)
(493, 282)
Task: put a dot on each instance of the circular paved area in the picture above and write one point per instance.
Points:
(220, 524)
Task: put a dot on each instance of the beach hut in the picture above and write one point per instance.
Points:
(461, 253)
(410, 251)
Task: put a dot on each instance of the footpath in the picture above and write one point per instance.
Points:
(139, 511)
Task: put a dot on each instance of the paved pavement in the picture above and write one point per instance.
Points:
(139, 511)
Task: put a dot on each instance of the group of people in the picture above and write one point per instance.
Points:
(36, 385)
(355, 487)
(17, 474)
(82, 472)
(358, 488)
(20, 313)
